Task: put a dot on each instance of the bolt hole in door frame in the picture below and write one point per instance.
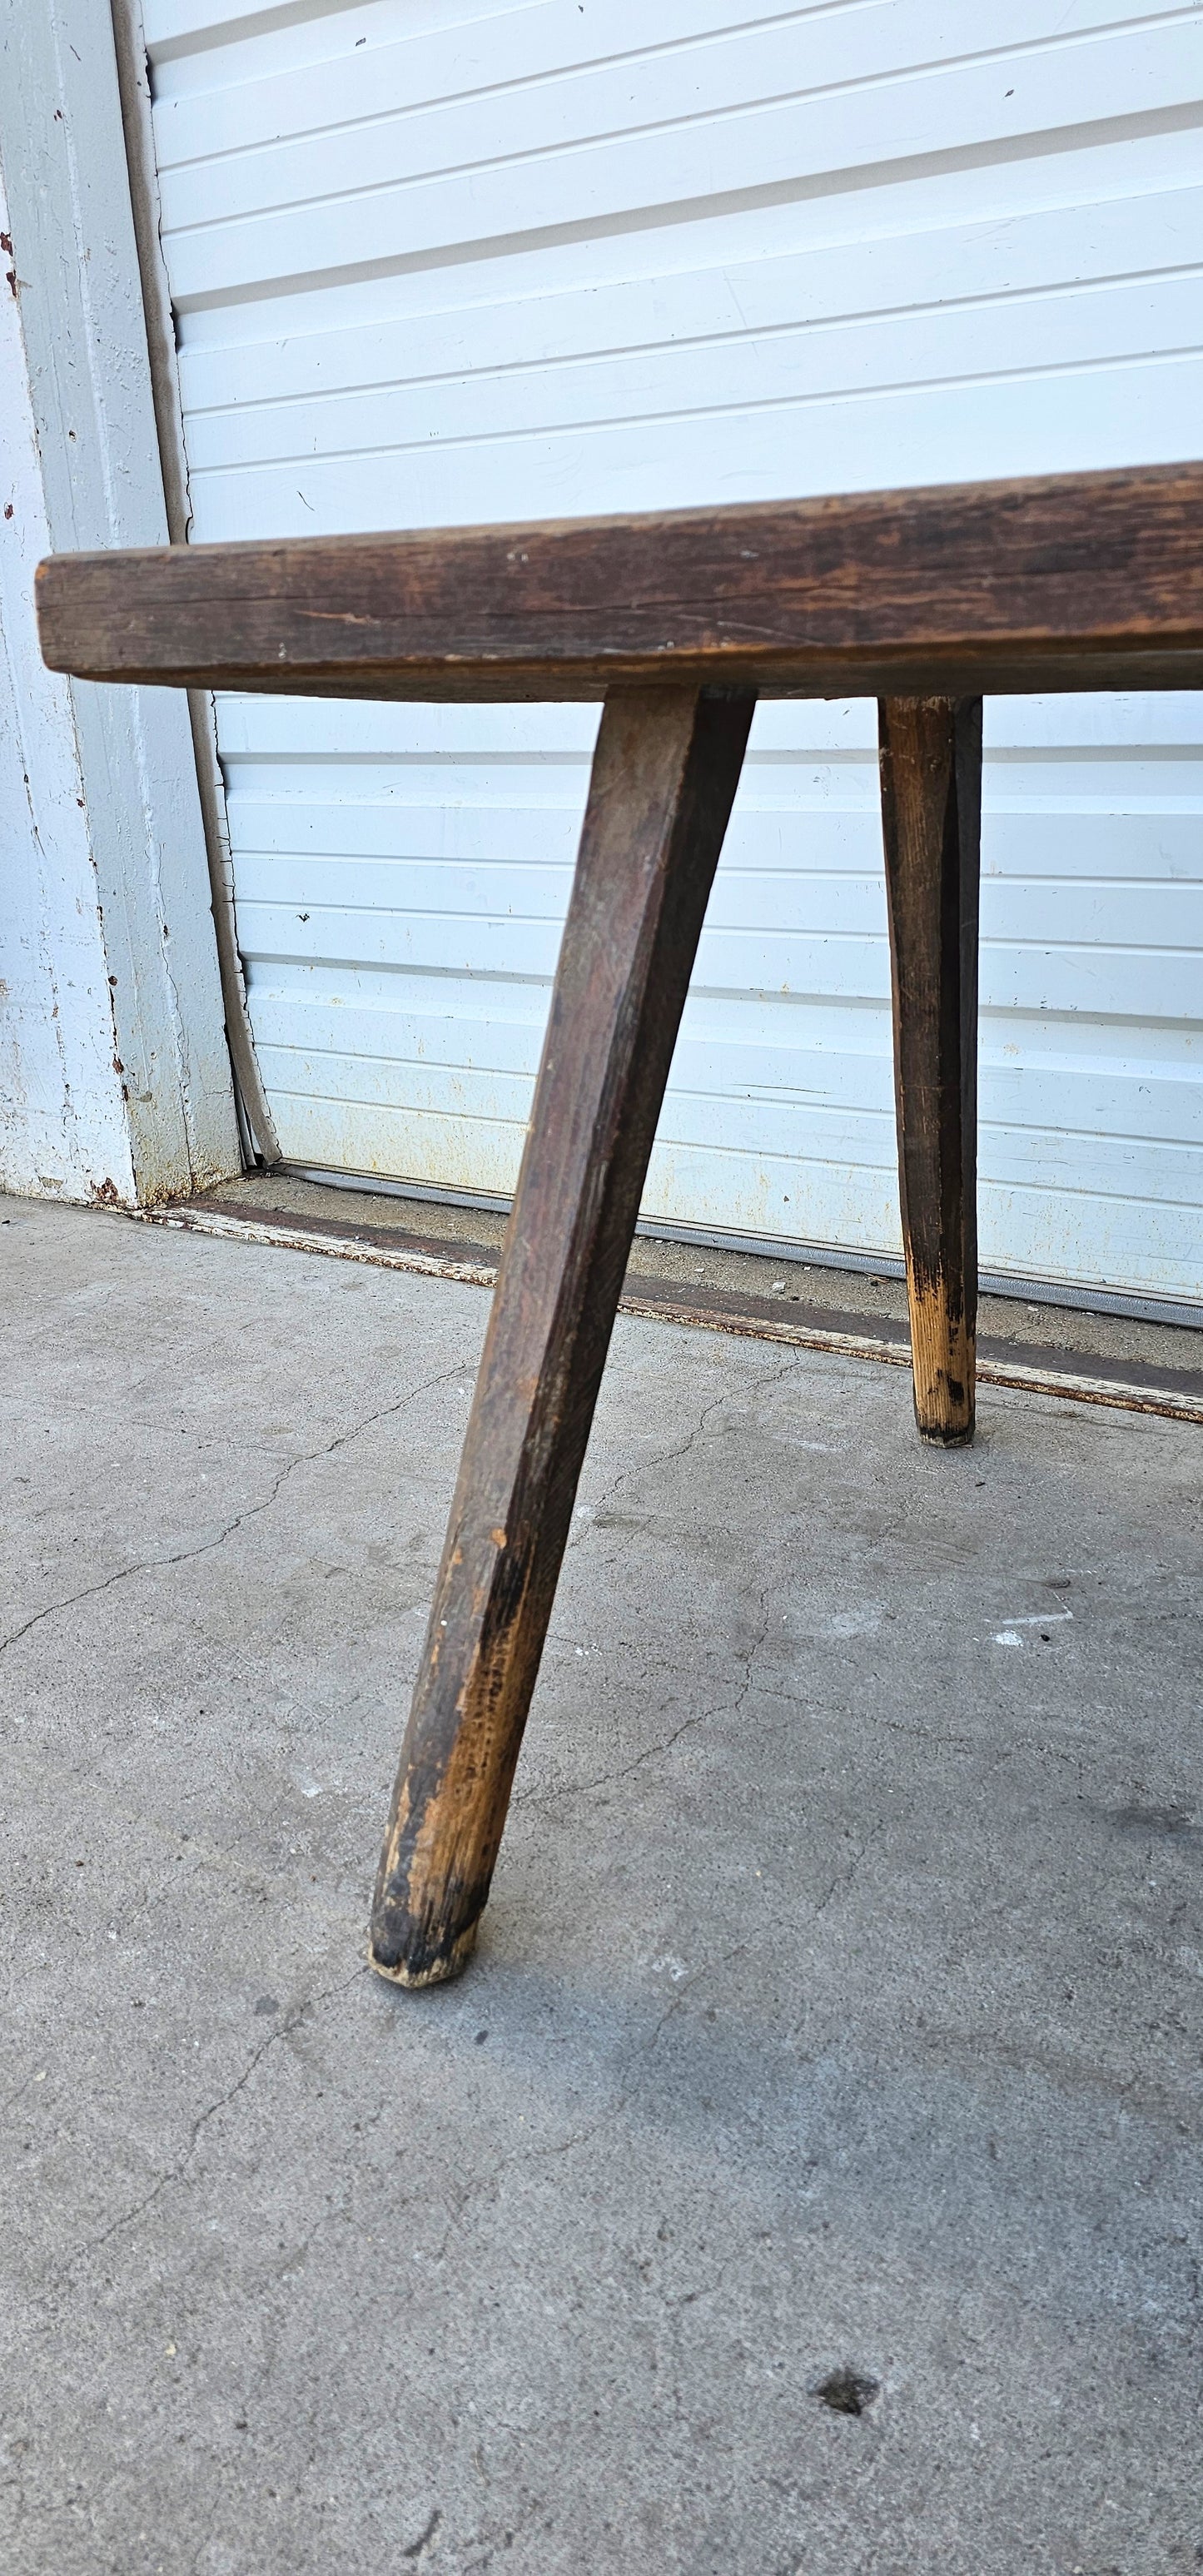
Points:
(679, 622)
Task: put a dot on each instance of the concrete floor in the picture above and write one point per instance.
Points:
(839, 2007)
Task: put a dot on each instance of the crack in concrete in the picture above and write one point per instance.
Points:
(524, 2153)
(175, 2173)
(539, 1803)
(11, 2099)
(669, 1457)
(203, 2542)
(843, 1877)
(206, 1547)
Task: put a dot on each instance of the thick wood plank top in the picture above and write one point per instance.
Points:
(1091, 581)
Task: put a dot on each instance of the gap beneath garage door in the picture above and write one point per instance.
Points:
(1069, 1351)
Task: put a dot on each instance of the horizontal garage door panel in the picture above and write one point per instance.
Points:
(526, 159)
(433, 265)
(526, 310)
(779, 1119)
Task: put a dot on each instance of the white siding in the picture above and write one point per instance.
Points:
(62, 1125)
(114, 1074)
(433, 264)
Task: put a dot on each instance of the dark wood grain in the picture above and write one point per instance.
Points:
(664, 775)
(931, 804)
(1077, 581)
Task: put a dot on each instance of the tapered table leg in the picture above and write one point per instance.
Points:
(664, 775)
(931, 799)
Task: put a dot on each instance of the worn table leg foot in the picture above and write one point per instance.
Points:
(931, 790)
(664, 776)
(435, 1969)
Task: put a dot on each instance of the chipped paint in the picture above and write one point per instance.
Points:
(110, 850)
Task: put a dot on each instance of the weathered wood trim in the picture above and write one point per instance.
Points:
(664, 775)
(134, 86)
(1139, 1386)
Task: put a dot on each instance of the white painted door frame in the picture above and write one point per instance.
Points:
(117, 1074)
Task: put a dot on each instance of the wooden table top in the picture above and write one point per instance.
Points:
(1083, 581)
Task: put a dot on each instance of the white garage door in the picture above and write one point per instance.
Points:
(438, 262)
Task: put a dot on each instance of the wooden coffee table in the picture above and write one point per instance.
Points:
(923, 600)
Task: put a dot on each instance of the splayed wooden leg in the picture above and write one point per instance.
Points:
(931, 795)
(664, 775)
